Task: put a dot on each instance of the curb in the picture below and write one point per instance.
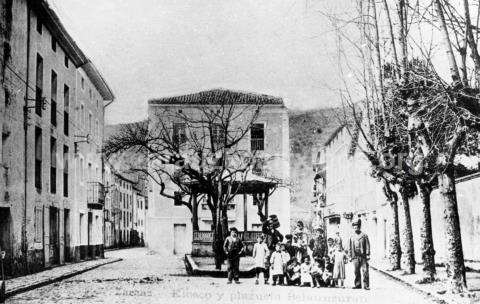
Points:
(419, 290)
(52, 280)
(193, 270)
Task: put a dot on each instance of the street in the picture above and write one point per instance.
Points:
(149, 278)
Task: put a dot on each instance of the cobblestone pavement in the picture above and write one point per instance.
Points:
(148, 278)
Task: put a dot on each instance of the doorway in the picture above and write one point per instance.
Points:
(66, 234)
(89, 235)
(5, 241)
(179, 238)
(54, 245)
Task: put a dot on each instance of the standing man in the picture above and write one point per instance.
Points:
(272, 238)
(233, 248)
(359, 251)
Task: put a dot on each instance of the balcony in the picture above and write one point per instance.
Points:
(95, 195)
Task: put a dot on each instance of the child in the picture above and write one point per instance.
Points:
(286, 258)
(316, 273)
(305, 276)
(339, 260)
(260, 252)
(276, 262)
(293, 272)
(327, 273)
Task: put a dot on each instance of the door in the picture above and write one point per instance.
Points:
(90, 234)
(179, 238)
(54, 239)
(66, 234)
(5, 240)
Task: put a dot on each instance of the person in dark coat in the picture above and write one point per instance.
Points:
(318, 246)
(233, 248)
(359, 252)
(272, 238)
(292, 251)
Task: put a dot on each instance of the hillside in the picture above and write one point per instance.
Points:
(307, 129)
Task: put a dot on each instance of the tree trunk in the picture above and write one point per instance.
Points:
(195, 213)
(218, 237)
(218, 245)
(455, 262)
(426, 238)
(395, 249)
(408, 259)
(395, 254)
(448, 44)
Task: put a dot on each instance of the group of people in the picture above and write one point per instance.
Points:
(301, 259)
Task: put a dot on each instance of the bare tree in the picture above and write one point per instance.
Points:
(195, 152)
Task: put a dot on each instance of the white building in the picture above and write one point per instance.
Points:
(351, 191)
(169, 227)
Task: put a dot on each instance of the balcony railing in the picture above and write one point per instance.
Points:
(207, 236)
(95, 195)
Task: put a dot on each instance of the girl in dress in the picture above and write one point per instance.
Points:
(260, 252)
(277, 263)
(339, 260)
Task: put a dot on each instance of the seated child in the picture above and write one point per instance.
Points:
(316, 273)
(305, 276)
(328, 272)
(293, 272)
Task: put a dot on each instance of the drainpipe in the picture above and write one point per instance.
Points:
(25, 127)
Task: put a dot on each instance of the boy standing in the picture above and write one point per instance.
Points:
(233, 248)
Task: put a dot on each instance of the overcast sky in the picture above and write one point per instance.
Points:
(155, 48)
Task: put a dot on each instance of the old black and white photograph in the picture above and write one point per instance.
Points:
(240, 151)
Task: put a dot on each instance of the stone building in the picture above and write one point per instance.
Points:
(169, 225)
(139, 215)
(125, 188)
(49, 213)
(351, 192)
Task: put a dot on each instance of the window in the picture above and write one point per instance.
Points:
(54, 44)
(178, 198)
(66, 61)
(38, 224)
(39, 86)
(83, 83)
(179, 134)
(53, 165)
(90, 93)
(82, 175)
(66, 109)
(39, 25)
(82, 113)
(257, 167)
(218, 134)
(53, 104)
(90, 123)
(257, 137)
(65, 171)
(38, 158)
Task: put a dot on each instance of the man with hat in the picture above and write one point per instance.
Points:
(272, 237)
(359, 251)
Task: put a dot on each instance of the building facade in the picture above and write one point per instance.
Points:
(169, 225)
(351, 193)
(139, 216)
(40, 202)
